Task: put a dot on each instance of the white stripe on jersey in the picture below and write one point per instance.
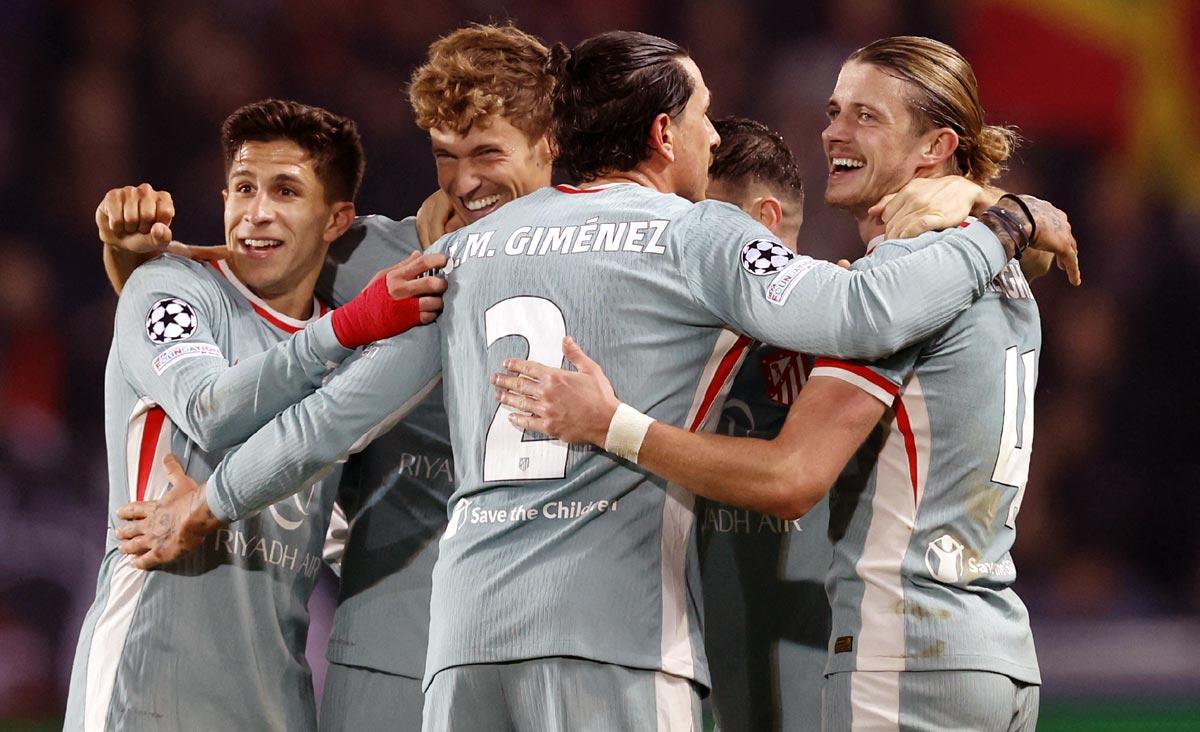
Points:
(875, 701)
(678, 514)
(893, 516)
(673, 703)
(125, 583)
(861, 382)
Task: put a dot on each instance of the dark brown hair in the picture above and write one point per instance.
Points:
(610, 89)
(751, 152)
(331, 139)
(947, 95)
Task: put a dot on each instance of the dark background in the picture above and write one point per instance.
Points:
(99, 94)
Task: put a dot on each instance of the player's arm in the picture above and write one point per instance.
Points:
(362, 399)
(817, 307)
(167, 350)
(932, 204)
(784, 476)
(134, 224)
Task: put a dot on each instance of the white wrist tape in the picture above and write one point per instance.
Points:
(626, 431)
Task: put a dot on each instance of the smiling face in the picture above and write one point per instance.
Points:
(278, 224)
(872, 144)
(489, 165)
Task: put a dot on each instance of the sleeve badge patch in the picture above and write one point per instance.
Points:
(764, 257)
(170, 319)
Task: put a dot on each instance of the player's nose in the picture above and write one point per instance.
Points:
(260, 210)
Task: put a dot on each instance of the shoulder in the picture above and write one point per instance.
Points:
(171, 275)
(378, 232)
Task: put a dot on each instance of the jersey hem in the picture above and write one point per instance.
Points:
(1019, 672)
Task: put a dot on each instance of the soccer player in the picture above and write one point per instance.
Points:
(228, 622)
(766, 615)
(484, 97)
(927, 632)
(564, 591)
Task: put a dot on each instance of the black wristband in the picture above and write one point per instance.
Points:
(1010, 226)
(1028, 214)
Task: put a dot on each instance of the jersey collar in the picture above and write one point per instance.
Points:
(283, 322)
(568, 188)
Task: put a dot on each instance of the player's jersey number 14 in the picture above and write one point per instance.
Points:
(507, 453)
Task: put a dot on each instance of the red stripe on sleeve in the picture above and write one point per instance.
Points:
(860, 370)
(910, 442)
(728, 361)
(151, 429)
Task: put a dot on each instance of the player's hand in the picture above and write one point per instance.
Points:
(410, 279)
(436, 218)
(574, 406)
(161, 531)
(1054, 237)
(136, 219)
(931, 204)
(395, 300)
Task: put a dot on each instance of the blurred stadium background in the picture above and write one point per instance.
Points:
(95, 94)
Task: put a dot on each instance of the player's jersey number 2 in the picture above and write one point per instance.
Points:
(507, 454)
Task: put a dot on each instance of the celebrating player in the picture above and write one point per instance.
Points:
(228, 622)
(565, 570)
(920, 584)
(483, 95)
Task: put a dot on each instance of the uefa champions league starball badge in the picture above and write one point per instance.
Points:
(764, 257)
(170, 320)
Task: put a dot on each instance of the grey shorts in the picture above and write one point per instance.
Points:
(357, 699)
(928, 701)
(560, 694)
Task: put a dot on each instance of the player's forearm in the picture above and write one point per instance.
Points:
(229, 404)
(739, 471)
(911, 298)
(119, 264)
(371, 392)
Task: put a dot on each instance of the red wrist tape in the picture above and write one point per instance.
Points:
(374, 315)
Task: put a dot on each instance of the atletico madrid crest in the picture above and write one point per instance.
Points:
(785, 373)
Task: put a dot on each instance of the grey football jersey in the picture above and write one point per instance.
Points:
(924, 516)
(558, 550)
(766, 624)
(552, 550)
(394, 492)
(215, 640)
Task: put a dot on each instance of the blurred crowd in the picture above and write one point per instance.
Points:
(97, 94)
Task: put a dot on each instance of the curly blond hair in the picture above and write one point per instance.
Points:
(484, 70)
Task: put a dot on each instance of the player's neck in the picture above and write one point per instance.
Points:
(640, 175)
(296, 302)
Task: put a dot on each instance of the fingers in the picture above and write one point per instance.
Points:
(429, 304)
(844, 263)
(160, 234)
(518, 402)
(518, 384)
(135, 547)
(151, 559)
(416, 265)
(194, 252)
(1069, 262)
(878, 209)
(530, 422)
(575, 354)
(175, 473)
(136, 510)
(532, 369)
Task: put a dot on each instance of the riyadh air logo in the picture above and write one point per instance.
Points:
(457, 518)
(944, 559)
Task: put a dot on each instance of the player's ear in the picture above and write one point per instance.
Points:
(768, 211)
(938, 147)
(662, 137)
(225, 195)
(339, 220)
(544, 150)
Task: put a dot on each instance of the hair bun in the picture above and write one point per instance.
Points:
(561, 61)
